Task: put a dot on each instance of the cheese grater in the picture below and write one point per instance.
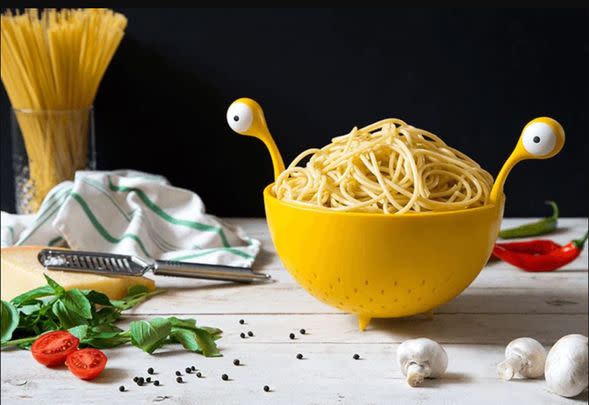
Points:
(124, 265)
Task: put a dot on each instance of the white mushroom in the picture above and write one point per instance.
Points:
(421, 358)
(524, 357)
(566, 366)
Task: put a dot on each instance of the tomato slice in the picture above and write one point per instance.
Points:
(51, 349)
(86, 363)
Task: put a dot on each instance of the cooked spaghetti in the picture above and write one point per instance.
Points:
(387, 167)
(53, 61)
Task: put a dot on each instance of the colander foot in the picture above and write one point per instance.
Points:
(429, 315)
(363, 322)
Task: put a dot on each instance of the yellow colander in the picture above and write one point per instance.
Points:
(383, 266)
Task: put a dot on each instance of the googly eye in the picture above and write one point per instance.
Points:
(240, 117)
(539, 139)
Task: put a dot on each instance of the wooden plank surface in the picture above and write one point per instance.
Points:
(502, 303)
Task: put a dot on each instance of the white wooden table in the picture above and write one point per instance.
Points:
(503, 303)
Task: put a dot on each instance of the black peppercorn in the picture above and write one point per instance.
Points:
(187, 370)
(241, 321)
(178, 379)
(236, 362)
(135, 379)
(178, 373)
(242, 335)
(299, 356)
(148, 379)
(156, 383)
(122, 388)
(193, 368)
(199, 374)
(224, 377)
(150, 370)
(141, 380)
(266, 388)
(250, 333)
(356, 356)
(302, 331)
(292, 336)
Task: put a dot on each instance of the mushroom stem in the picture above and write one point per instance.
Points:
(509, 367)
(416, 373)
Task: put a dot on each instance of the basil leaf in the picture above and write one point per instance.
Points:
(216, 332)
(186, 338)
(207, 343)
(33, 295)
(196, 340)
(183, 323)
(76, 301)
(106, 342)
(105, 316)
(150, 335)
(137, 289)
(57, 289)
(8, 320)
(79, 331)
(105, 331)
(29, 309)
(66, 317)
(96, 297)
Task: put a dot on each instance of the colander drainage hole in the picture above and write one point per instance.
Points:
(355, 290)
(422, 282)
(381, 292)
(365, 282)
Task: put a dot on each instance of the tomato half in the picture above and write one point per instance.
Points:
(86, 363)
(51, 349)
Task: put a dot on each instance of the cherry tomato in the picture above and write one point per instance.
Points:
(51, 349)
(86, 364)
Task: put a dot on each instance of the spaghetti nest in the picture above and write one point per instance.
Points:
(387, 167)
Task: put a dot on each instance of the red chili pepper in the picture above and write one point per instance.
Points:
(539, 255)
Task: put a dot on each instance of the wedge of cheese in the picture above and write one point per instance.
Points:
(21, 272)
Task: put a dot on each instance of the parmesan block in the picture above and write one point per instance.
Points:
(21, 272)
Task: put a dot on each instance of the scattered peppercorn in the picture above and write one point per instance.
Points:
(250, 333)
(193, 368)
(299, 356)
(188, 370)
(266, 388)
(199, 374)
(156, 382)
(122, 388)
(135, 379)
(148, 379)
(178, 373)
(224, 377)
(178, 379)
(141, 380)
(292, 336)
(236, 362)
(241, 321)
(302, 331)
(242, 335)
(356, 356)
(139, 383)
(150, 370)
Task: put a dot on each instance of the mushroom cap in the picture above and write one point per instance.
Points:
(531, 352)
(425, 352)
(566, 366)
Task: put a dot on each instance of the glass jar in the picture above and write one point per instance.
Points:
(48, 147)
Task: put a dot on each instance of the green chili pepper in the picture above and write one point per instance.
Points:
(541, 227)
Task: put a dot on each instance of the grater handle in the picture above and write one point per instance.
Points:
(207, 271)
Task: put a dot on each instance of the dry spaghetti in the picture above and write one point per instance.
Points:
(387, 167)
(52, 65)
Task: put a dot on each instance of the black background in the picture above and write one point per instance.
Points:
(473, 77)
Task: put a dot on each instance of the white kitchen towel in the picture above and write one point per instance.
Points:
(133, 213)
